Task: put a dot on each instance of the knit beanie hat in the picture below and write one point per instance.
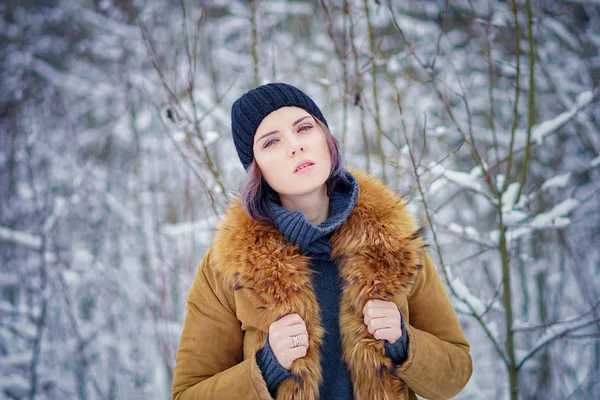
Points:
(249, 110)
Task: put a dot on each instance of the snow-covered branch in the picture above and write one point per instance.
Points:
(543, 129)
(551, 335)
(23, 238)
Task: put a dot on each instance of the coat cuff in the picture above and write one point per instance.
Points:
(411, 350)
(272, 371)
(398, 351)
(258, 381)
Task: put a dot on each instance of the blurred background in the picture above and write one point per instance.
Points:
(117, 161)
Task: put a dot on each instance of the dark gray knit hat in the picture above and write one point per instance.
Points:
(249, 110)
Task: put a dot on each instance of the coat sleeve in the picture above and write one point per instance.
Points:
(209, 363)
(439, 364)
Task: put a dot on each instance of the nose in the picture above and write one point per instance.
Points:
(295, 147)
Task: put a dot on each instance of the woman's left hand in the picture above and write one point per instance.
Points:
(383, 320)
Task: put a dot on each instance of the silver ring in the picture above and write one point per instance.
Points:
(296, 341)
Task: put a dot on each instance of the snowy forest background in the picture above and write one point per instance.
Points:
(117, 160)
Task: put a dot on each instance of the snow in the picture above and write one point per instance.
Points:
(100, 21)
(462, 179)
(24, 190)
(500, 178)
(540, 131)
(285, 7)
(71, 277)
(495, 236)
(20, 359)
(5, 307)
(393, 66)
(559, 30)
(440, 130)
(512, 216)
(211, 137)
(115, 205)
(60, 204)
(7, 279)
(552, 333)
(171, 329)
(143, 120)
(499, 18)
(583, 99)
(559, 181)
(545, 128)
(412, 26)
(552, 219)
(22, 238)
(69, 81)
(468, 232)
(465, 295)
(77, 74)
(186, 228)
(510, 195)
(16, 385)
(556, 216)
(180, 136)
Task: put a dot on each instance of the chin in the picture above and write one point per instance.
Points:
(295, 188)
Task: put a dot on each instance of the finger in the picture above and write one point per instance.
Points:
(383, 303)
(371, 313)
(295, 353)
(372, 305)
(293, 330)
(287, 356)
(370, 310)
(379, 304)
(378, 323)
(286, 327)
(285, 344)
(303, 339)
(290, 319)
(389, 334)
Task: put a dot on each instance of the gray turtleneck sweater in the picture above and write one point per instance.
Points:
(314, 242)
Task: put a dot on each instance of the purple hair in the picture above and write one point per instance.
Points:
(257, 194)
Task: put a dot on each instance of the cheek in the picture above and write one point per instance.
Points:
(270, 168)
(265, 158)
(324, 151)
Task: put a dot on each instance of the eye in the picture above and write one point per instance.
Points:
(304, 128)
(269, 143)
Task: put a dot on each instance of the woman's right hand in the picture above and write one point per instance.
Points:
(281, 339)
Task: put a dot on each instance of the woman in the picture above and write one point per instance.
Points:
(317, 285)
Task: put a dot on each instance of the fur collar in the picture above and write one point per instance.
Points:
(379, 254)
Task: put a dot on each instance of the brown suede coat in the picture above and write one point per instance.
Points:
(252, 275)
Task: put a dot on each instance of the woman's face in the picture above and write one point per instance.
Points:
(291, 152)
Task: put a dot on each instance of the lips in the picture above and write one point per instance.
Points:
(303, 164)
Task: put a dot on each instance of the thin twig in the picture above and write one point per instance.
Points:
(438, 248)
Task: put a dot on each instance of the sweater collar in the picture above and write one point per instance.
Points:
(314, 238)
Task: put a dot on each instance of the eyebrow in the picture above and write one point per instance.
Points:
(273, 132)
